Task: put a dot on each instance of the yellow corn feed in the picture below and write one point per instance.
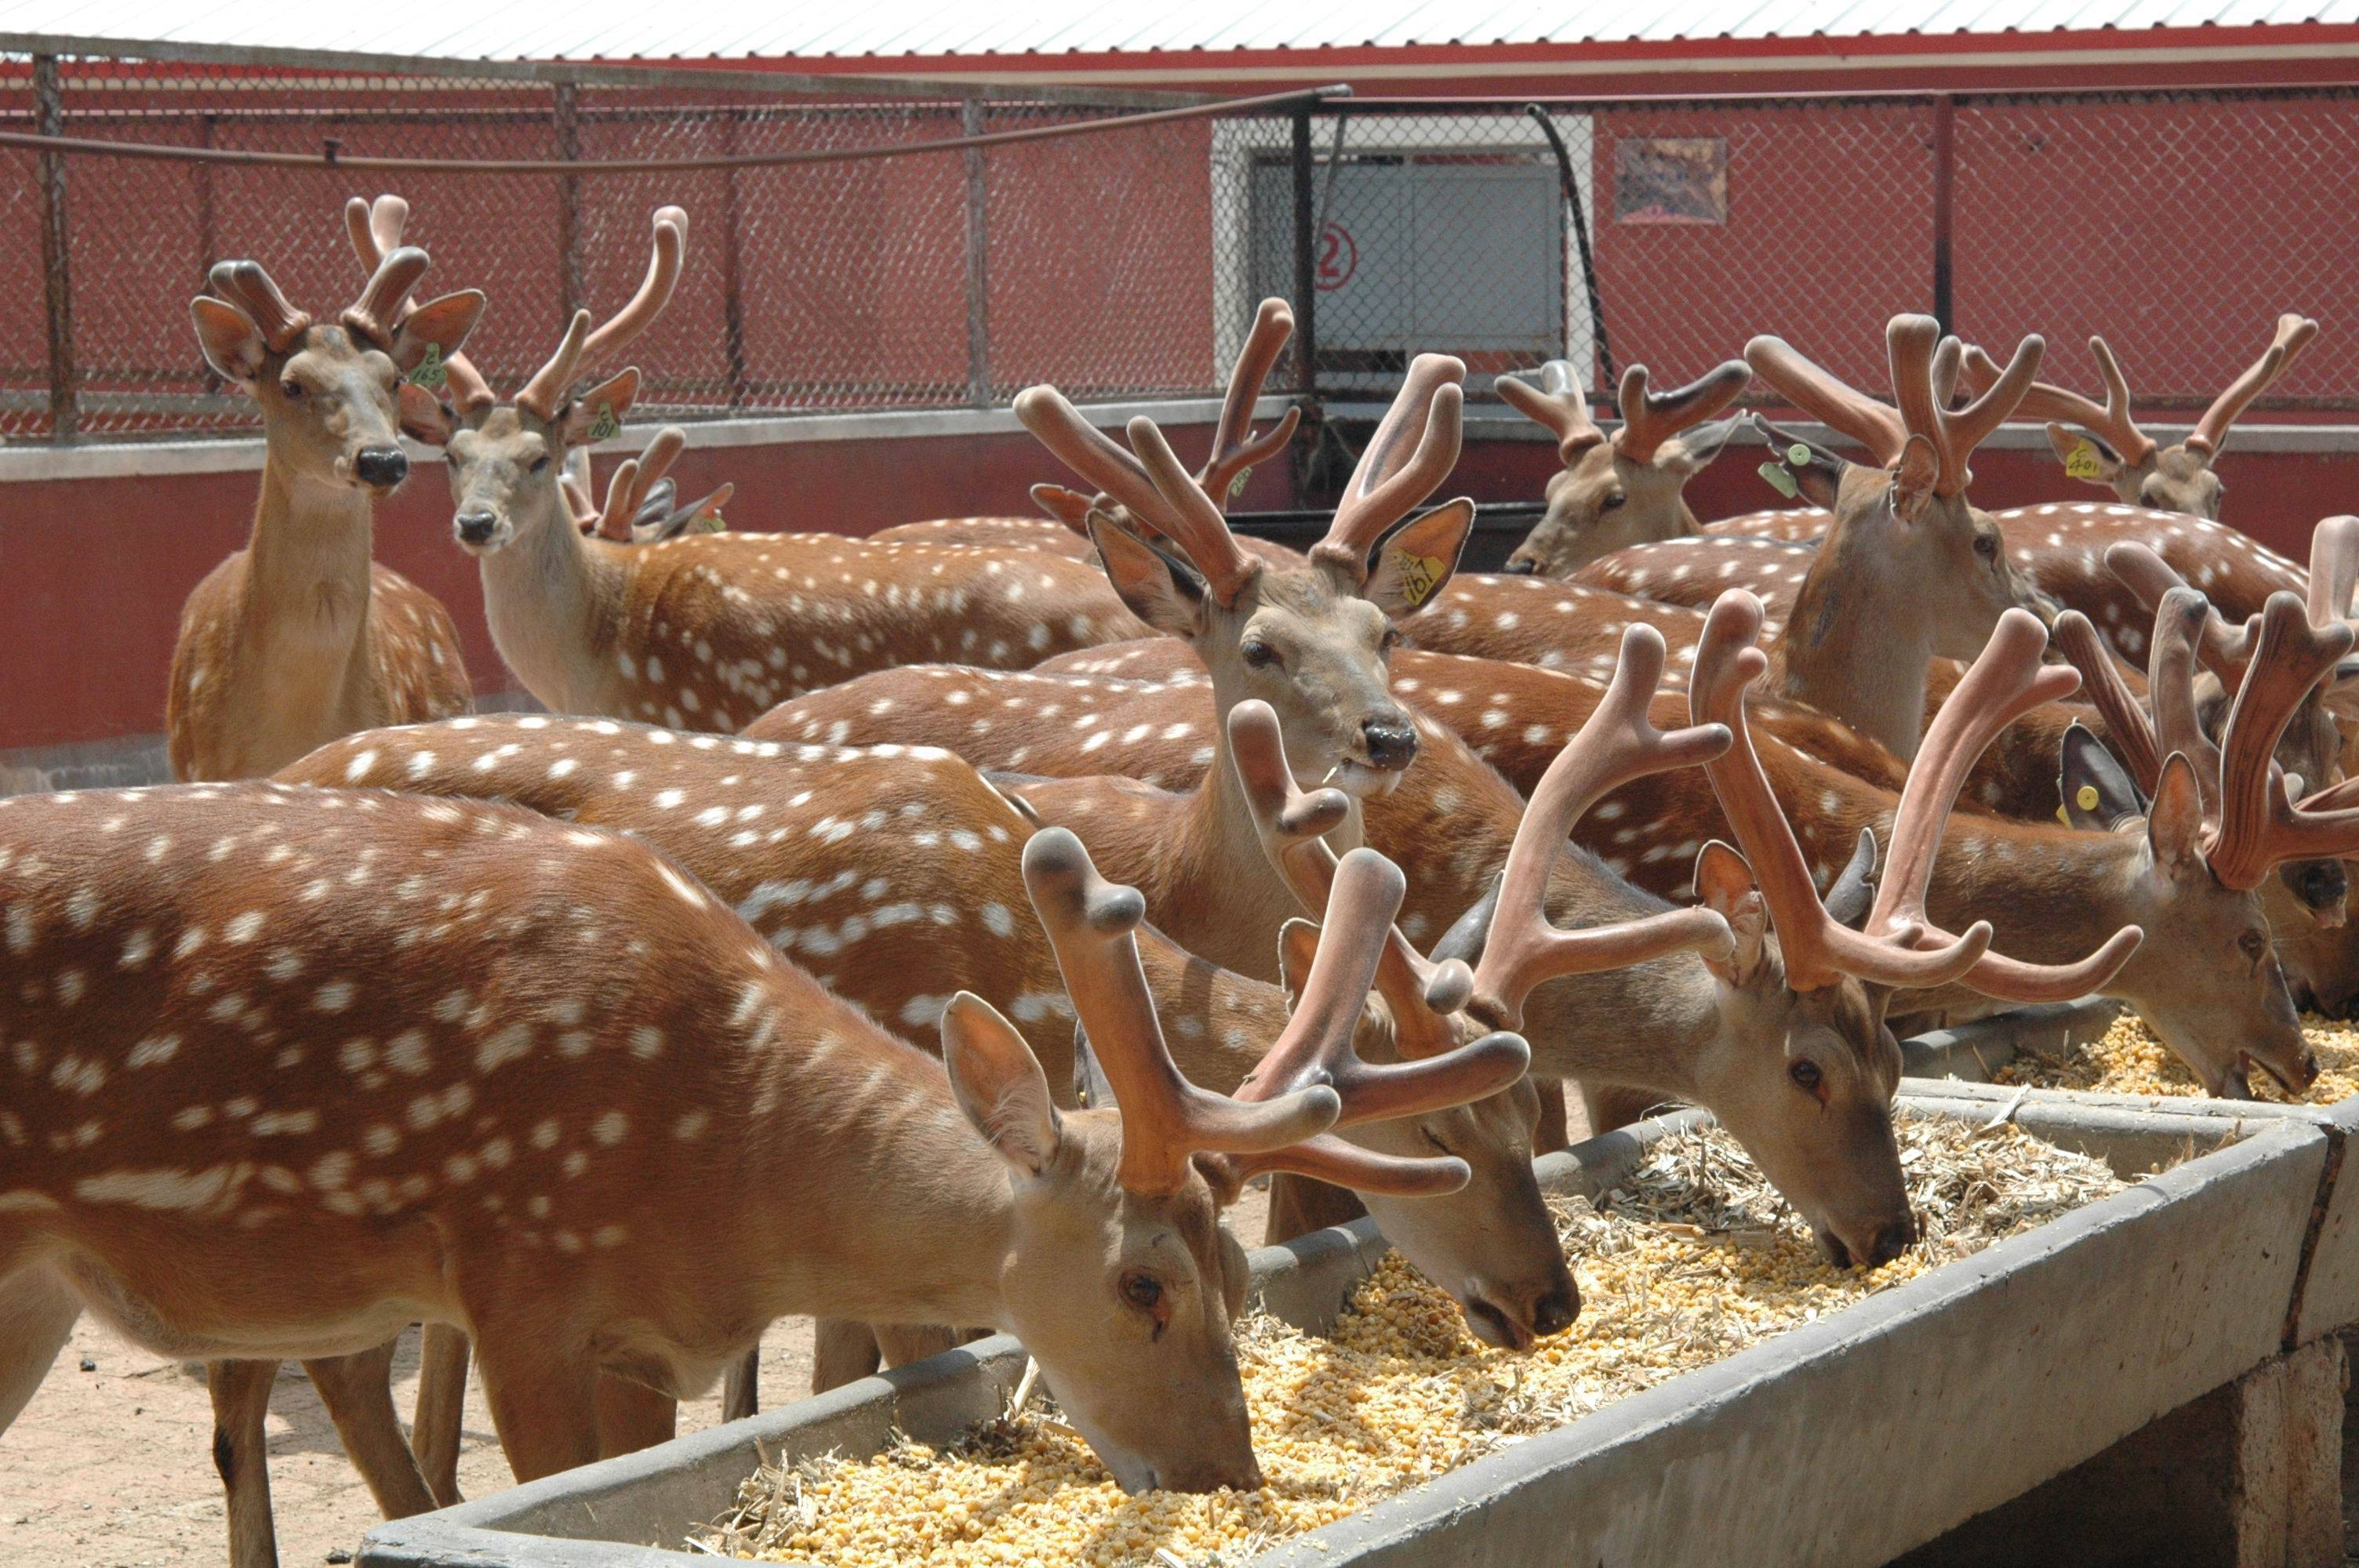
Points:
(1690, 1261)
(2128, 1060)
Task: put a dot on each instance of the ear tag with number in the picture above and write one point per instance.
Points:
(1237, 485)
(2082, 461)
(1418, 575)
(605, 426)
(1780, 479)
(430, 373)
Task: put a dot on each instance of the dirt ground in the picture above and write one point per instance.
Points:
(113, 1468)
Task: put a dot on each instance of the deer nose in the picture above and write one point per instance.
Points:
(1890, 1242)
(381, 466)
(475, 527)
(1392, 742)
(1522, 566)
(1555, 1311)
(2319, 885)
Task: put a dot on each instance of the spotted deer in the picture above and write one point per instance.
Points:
(263, 1110)
(886, 872)
(1628, 487)
(301, 636)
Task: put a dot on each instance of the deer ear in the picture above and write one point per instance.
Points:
(442, 323)
(232, 342)
(1297, 945)
(998, 1084)
(1160, 591)
(1469, 932)
(1723, 884)
(593, 415)
(1853, 893)
(1692, 452)
(1070, 507)
(2099, 794)
(2100, 466)
(2174, 827)
(1913, 478)
(1412, 562)
(426, 417)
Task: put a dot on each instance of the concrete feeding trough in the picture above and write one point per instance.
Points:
(1850, 1440)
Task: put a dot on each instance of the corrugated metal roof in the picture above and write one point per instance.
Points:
(872, 29)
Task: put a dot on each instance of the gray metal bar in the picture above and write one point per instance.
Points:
(358, 63)
(57, 279)
(978, 261)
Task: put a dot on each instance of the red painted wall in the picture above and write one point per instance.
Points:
(96, 571)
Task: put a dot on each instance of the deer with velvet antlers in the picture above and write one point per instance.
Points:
(301, 636)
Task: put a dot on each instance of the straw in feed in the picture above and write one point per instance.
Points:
(1691, 1260)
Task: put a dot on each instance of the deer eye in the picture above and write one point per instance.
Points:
(1612, 500)
(541, 462)
(289, 387)
(1258, 654)
(1806, 1075)
(1141, 1291)
(1986, 546)
(2254, 944)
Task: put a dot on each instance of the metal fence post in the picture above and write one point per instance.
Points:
(732, 261)
(564, 115)
(1945, 160)
(1306, 257)
(978, 261)
(50, 109)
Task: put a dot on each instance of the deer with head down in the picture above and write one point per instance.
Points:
(1627, 488)
(293, 1118)
(301, 636)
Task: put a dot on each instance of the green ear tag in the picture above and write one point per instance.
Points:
(708, 523)
(2082, 463)
(605, 426)
(1237, 485)
(1799, 455)
(429, 373)
(1780, 480)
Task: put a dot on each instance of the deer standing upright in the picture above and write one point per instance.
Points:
(302, 636)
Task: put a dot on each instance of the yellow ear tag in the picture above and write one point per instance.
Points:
(2087, 796)
(2082, 463)
(2064, 817)
(1418, 575)
(429, 373)
(605, 426)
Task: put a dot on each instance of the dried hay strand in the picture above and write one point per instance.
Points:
(1690, 1259)
(2128, 1060)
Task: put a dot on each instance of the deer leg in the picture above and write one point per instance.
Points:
(903, 1343)
(741, 1386)
(358, 1391)
(1298, 1206)
(441, 1405)
(843, 1351)
(544, 1398)
(241, 1396)
(1610, 1106)
(632, 1416)
(37, 1314)
(1554, 1132)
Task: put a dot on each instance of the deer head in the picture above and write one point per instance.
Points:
(1625, 490)
(1309, 641)
(2112, 451)
(331, 392)
(506, 459)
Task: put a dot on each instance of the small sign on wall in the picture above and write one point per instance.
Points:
(1670, 179)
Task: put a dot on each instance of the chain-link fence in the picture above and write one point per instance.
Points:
(1127, 260)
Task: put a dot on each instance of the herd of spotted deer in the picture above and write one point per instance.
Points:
(771, 971)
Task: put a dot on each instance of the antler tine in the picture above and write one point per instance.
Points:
(1916, 349)
(1291, 825)
(2226, 650)
(1618, 743)
(385, 299)
(2293, 335)
(1235, 446)
(1819, 951)
(2129, 727)
(2006, 681)
(2259, 828)
(1827, 400)
(628, 490)
(2046, 400)
(1192, 519)
(2333, 569)
(1556, 405)
(1391, 479)
(670, 243)
(2178, 621)
(1165, 1119)
(578, 504)
(376, 229)
(1650, 418)
(1081, 446)
(246, 285)
(545, 393)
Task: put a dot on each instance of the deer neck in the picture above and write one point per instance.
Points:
(1637, 1028)
(874, 1197)
(2052, 893)
(1853, 647)
(305, 611)
(553, 601)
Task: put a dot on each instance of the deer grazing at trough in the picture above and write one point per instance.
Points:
(290, 1119)
(1625, 489)
(836, 857)
(301, 636)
